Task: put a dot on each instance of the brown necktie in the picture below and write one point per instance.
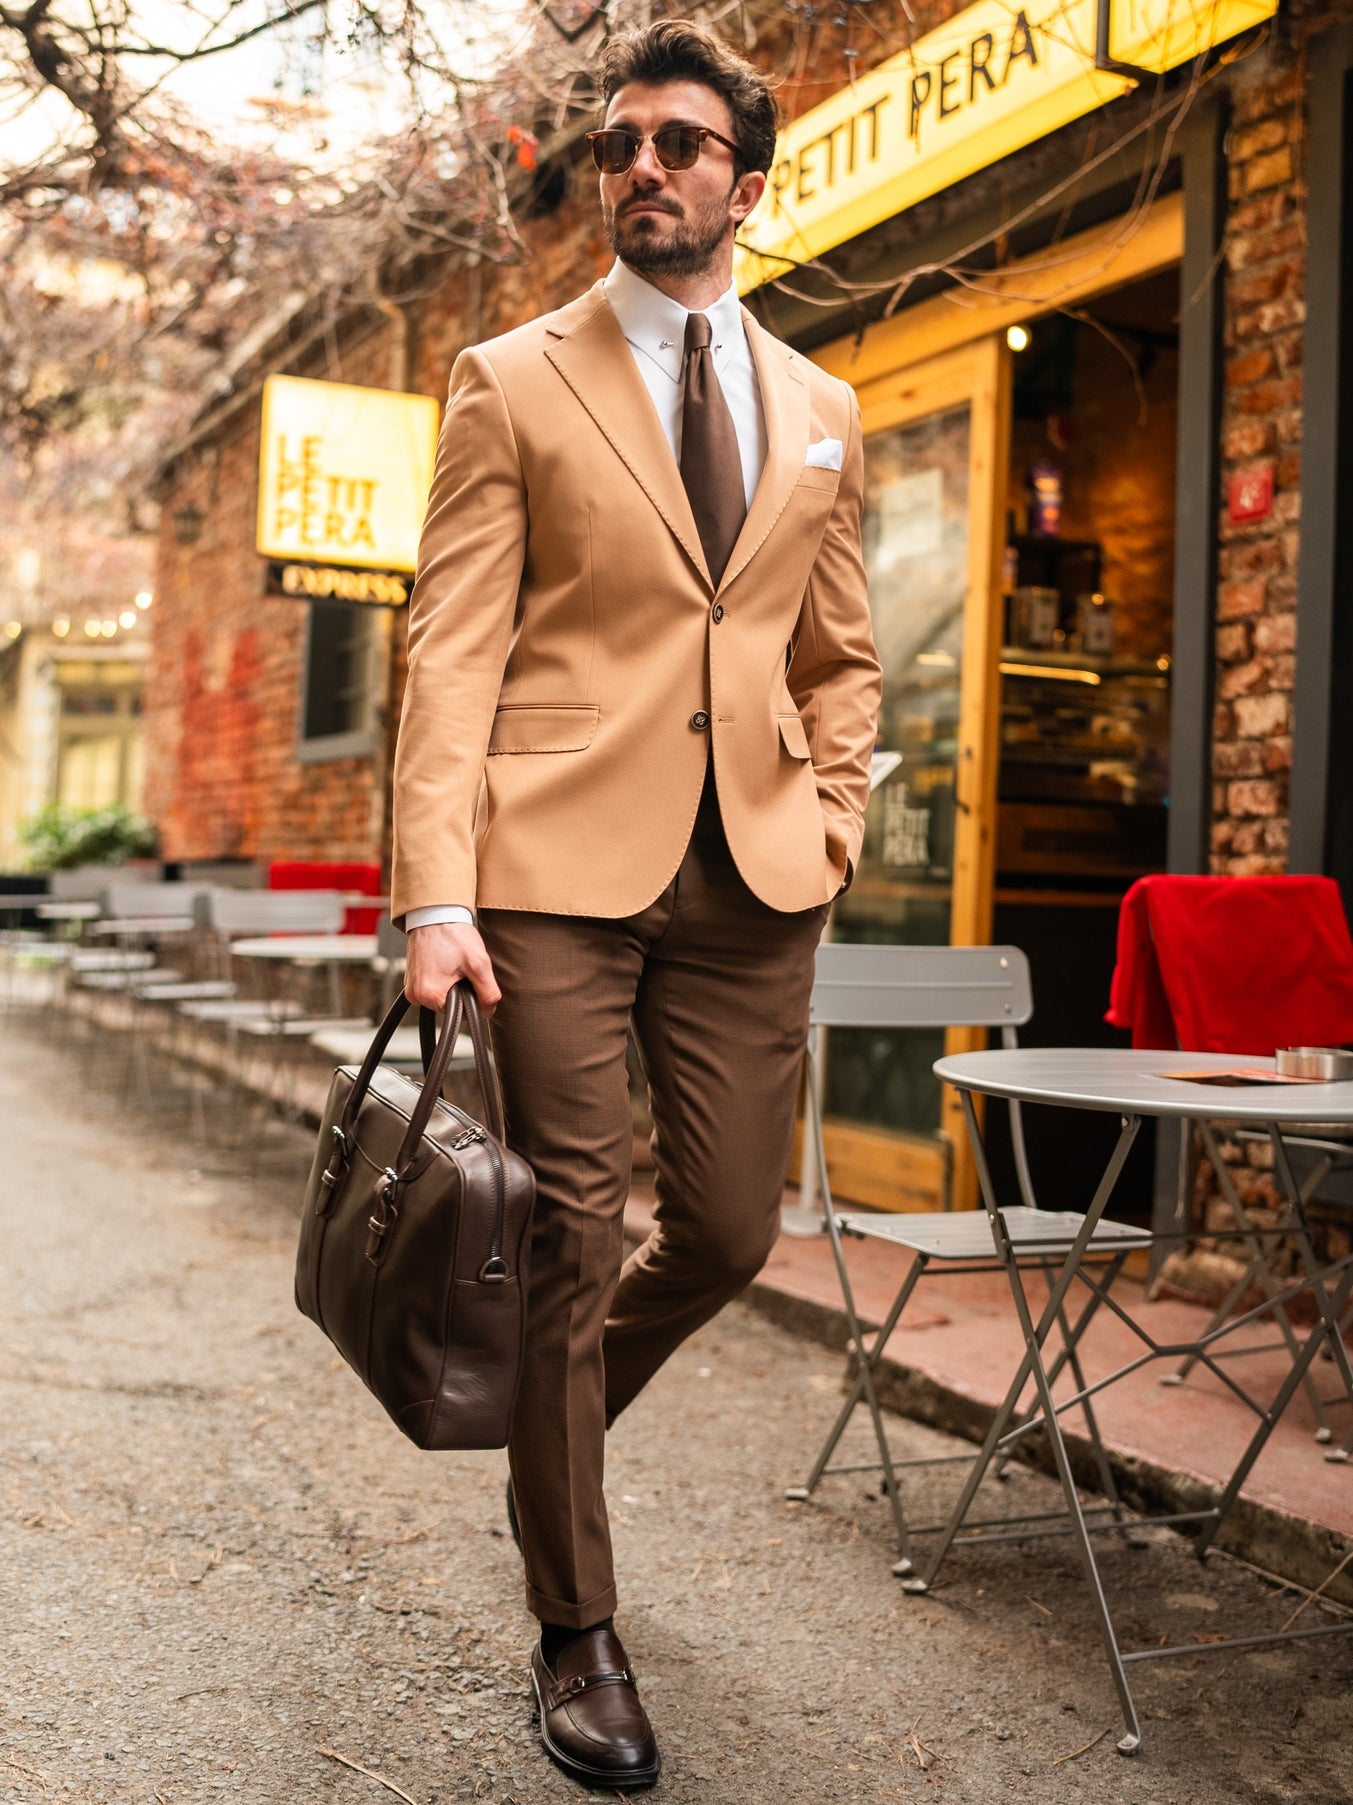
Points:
(710, 465)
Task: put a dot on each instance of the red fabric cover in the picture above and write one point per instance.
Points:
(317, 874)
(1233, 964)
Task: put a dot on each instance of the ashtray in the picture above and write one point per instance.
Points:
(1329, 1063)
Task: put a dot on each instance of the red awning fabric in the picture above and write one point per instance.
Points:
(1233, 964)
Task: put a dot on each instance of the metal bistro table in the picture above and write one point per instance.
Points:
(331, 950)
(1133, 1084)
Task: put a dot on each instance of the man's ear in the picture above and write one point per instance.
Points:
(747, 191)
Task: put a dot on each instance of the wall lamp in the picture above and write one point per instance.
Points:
(187, 523)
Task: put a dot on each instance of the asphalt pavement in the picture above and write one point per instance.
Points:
(225, 1576)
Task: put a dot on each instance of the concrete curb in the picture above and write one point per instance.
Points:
(1288, 1547)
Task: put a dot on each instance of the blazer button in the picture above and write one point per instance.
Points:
(700, 720)
(718, 612)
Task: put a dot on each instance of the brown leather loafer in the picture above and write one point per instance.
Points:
(591, 1720)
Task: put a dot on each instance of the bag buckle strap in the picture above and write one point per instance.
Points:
(384, 1216)
(340, 1159)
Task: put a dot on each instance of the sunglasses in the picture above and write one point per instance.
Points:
(675, 146)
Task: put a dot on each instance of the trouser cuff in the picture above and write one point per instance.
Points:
(571, 1616)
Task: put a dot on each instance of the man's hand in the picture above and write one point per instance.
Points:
(439, 956)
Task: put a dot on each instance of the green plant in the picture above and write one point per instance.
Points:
(58, 837)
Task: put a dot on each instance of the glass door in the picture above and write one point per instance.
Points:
(934, 532)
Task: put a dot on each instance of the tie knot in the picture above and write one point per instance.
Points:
(698, 333)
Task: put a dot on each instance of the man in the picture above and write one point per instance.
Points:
(635, 743)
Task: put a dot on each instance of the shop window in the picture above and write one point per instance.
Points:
(338, 716)
(99, 750)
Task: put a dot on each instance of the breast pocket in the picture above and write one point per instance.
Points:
(544, 727)
(813, 476)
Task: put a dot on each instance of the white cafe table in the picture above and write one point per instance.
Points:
(1133, 1085)
(143, 927)
(312, 949)
(69, 911)
(332, 950)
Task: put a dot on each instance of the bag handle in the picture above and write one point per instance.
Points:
(460, 1002)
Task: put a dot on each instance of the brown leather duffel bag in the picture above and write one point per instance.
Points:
(414, 1240)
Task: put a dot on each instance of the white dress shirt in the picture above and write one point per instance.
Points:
(654, 326)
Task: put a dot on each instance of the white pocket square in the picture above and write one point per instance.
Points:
(824, 454)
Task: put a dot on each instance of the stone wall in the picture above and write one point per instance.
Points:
(1260, 428)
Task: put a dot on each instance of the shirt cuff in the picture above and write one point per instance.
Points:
(438, 912)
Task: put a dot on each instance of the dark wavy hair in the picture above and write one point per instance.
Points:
(677, 50)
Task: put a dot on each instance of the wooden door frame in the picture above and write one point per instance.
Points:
(977, 377)
(948, 351)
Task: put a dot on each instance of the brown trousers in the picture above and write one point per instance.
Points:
(716, 986)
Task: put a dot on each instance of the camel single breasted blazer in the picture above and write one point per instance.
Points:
(568, 665)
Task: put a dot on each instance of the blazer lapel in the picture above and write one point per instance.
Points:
(784, 398)
(590, 353)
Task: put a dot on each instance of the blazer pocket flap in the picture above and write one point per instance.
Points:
(544, 727)
(793, 735)
(819, 476)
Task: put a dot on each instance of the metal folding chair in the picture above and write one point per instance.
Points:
(941, 987)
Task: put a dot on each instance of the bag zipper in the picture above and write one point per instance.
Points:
(494, 1270)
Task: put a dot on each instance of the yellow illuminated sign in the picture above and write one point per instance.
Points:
(987, 82)
(344, 473)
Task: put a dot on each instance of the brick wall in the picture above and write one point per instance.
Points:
(223, 687)
(1260, 427)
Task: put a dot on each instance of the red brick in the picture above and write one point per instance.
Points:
(1266, 241)
(1252, 554)
(1248, 439)
(1252, 796)
(1260, 717)
(1233, 642)
(1238, 601)
(1267, 171)
(1238, 758)
(1242, 680)
(1265, 284)
(1275, 633)
(1250, 366)
(1269, 397)
(1258, 214)
(1275, 316)
(1268, 134)
(1278, 753)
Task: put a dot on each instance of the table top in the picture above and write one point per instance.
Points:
(146, 925)
(348, 949)
(1131, 1081)
(69, 911)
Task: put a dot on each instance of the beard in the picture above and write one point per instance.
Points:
(688, 249)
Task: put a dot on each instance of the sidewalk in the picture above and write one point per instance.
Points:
(1172, 1448)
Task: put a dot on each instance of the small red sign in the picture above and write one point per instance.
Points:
(1250, 495)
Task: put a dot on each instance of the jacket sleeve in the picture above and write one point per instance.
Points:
(834, 674)
(461, 617)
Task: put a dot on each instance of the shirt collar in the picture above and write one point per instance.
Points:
(656, 324)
